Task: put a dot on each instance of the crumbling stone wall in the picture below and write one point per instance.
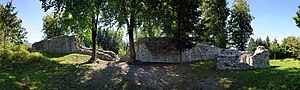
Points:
(162, 50)
(167, 53)
(70, 44)
(59, 45)
(242, 60)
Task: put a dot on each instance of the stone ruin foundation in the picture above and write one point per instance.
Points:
(68, 45)
(162, 50)
(236, 60)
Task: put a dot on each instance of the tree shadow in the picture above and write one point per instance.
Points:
(274, 66)
(52, 55)
(135, 77)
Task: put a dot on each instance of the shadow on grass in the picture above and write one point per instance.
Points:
(52, 55)
(40, 73)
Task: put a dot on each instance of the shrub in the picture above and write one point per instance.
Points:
(122, 52)
(15, 54)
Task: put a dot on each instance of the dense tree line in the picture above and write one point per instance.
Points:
(289, 47)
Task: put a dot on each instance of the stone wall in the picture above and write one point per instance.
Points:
(167, 55)
(242, 60)
(162, 50)
(60, 45)
(68, 45)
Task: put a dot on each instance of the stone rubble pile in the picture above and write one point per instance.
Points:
(237, 60)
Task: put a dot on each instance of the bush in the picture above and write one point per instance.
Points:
(122, 52)
(15, 54)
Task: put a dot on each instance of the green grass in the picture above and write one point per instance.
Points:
(283, 74)
(45, 71)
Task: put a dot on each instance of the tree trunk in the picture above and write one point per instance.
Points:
(94, 33)
(275, 55)
(131, 38)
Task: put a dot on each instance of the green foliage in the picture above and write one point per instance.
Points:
(15, 54)
(267, 42)
(11, 30)
(85, 14)
(297, 17)
(122, 50)
(52, 26)
(259, 42)
(179, 19)
(291, 45)
(214, 22)
(276, 51)
(110, 40)
(63, 23)
(251, 45)
(240, 24)
(137, 14)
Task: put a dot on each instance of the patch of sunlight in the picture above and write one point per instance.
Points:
(33, 85)
(11, 77)
(18, 83)
(226, 82)
(285, 63)
(72, 59)
(251, 88)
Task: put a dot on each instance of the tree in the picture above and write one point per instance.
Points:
(251, 45)
(214, 21)
(52, 26)
(85, 14)
(274, 49)
(10, 25)
(134, 14)
(267, 42)
(179, 18)
(62, 23)
(259, 42)
(240, 24)
(291, 46)
(297, 17)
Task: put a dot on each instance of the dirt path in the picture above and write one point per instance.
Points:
(110, 75)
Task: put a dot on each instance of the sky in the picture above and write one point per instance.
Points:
(273, 18)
